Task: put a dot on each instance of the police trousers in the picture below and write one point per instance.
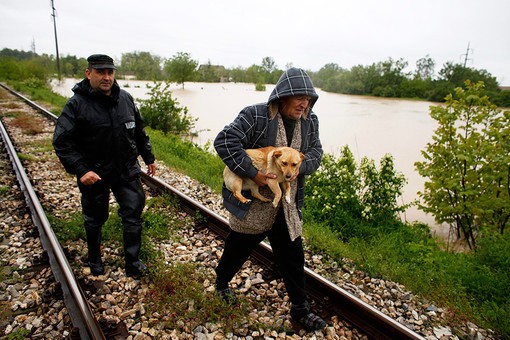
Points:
(130, 196)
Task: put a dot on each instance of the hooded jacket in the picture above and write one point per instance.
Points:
(101, 133)
(256, 127)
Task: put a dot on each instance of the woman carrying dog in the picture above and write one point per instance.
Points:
(285, 120)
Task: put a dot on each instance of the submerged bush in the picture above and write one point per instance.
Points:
(162, 112)
(355, 200)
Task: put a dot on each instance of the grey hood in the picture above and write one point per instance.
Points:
(293, 82)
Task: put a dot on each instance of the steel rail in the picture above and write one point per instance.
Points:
(334, 298)
(31, 103)
(76, 303)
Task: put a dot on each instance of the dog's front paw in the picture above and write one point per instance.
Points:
(287, 198)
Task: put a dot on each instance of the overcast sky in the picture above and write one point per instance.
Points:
(306, 34)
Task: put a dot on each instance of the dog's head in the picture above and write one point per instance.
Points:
(288, 161)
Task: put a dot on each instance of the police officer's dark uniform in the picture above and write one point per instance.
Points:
(105, 134)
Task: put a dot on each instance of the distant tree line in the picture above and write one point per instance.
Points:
(385, 78)
(388, 79)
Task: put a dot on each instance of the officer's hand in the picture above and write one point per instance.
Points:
(89, 178)
(151, 169)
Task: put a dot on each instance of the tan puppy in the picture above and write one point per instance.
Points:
(284, 162)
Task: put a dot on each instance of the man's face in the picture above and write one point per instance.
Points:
(295, 106)
(101, 80)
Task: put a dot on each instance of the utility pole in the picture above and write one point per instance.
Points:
(56, 41)
(467, 54)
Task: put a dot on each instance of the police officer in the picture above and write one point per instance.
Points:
(98, 138)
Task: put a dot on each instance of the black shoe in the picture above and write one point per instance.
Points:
(302, 315)
(312, 322)
(96, 268)
(136, 270)
(227, 295)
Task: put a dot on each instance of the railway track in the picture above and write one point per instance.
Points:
(330, 299)
(86, 325)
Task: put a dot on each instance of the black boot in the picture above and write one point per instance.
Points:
(134, 267)
(94, 251)
(136, 270)
(226, 294)
(301, 313)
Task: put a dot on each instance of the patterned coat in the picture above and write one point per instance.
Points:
(256, 127)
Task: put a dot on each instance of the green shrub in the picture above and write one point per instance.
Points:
(260, 87)
(488, 273)
(162, 112)
(466, 165)
(31, 71)
(354, 200)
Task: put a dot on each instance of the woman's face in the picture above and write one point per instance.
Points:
(295, 106)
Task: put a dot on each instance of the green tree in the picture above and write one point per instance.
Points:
(212, 73)
(323, 76)
(18, 55)
(496, 172)
(238, 74)
(467, 165)
(255, 74)
(32, 72)
(73, 66)
(144, 65)
(268, 65)
(457, 74)
(425, 68)
(366, 79)
(391, 78)
(162, 112)
(270, 71)
(181, 68)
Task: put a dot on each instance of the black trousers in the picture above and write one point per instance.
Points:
(288, 255)
(95, 203)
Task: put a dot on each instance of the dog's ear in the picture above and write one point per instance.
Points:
(277, 153)
(302, 156)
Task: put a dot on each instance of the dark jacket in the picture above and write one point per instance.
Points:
(256, 127)
(100, 133)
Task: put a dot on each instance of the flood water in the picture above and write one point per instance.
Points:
(371, 127)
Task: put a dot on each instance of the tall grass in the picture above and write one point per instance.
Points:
(471, 286)
(186, 157)
(40, 93)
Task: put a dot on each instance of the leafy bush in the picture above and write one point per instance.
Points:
(467, 164)
(162, 112)
(260, 87)
(31, 71)
(354, 200)
(488, 274)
